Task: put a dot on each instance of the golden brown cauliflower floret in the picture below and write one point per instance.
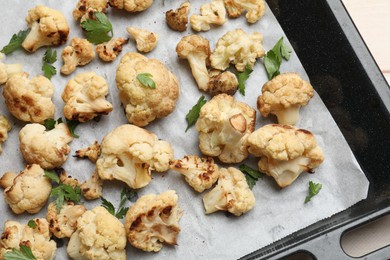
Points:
(67, 179)
(49, 149)
(79, 53)
(222, 82)
(283, 96)
(84, 96)
(177, 19)
(255, 9)
(212, 13)
(196, 50)
(131, 6)
(63, 224)
(152, 220)
(146, 40)
(200, 173)
(239, 48)
(5, 127)
(130, 153)
(92, 152)
(224, 125)
(99, 236)
(38, 239)
(29, 100)
(29, 191)
(108, 51)
(285, 152)
(143, 104)
(93, 187)
(232, 193)
(7, 179)
(7, 70)
(84, 7)
(47, 27)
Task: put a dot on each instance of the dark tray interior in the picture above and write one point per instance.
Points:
(356, 95)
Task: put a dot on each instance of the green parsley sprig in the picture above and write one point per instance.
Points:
(273, 58)
(98, 29)
(32, 224)
(193, 115)
(24, 253)
(314, 189)
(251, 175)
(16, 42)
(51, 123)
(146, 80)
(126, 194)
(242, 77)
(48, 59)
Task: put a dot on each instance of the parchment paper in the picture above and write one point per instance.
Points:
(277, 212)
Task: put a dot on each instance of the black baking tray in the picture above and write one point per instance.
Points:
(345, 75)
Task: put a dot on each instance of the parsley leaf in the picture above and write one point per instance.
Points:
(131, 195)
(31, 223)
(126, 194)
(51, 123)
(251, 175)
(24, 253)
(108, 206)
(273, 58)
(52, 176)
(314, 189)
(48, 59)
(15, 42)
(97, 30)
(65, 192)
(193, 115)
(72, 124)
(145, 80)
(242, 77)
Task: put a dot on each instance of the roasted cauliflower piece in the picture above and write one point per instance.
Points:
(283, 96)
(79, 53)
(67, 179)
(5, 127)
(211, 13)
(285, 152)
(146, 40)
(7, 179)
(29, 100)
(153, 220)
(239, 48)
(177, 19)
(38, 239)
(84, 96)
(49, 149)
(255, 9)
(93, 187)
(222, 82)
(231, 194)
(85, 7)
(131, 6)
(99, 235)
(91, 152)
(143, 104)
(130, 153)
(196, 50)
(29, 191)
(7, 70)
(108, 51)
(200, 173)
(47, 27)
(224, 125)
(63, 224)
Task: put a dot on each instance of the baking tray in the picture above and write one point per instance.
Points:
(345, 75)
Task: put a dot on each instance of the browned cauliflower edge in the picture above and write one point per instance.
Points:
(91, 152)
(131, 6)
(78, 53)
(5, 127)
(109, 51)
(255, 9)
(213, 13)
(177, 19)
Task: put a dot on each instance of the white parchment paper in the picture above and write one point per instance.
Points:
(277, 213)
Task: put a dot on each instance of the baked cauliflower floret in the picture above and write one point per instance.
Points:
(7, 179)
(231, 194)
(91, 152)
(47, 27)
(29, 100)
(283, 96)
(99, 236)
(108, 51)
(222, 82)
(38, 239)
(153, 220)
(200, 173)
(84, 96)
(177, 19)
(67, 179)
(239, 48)
(143, 104)
(130, 153)
(131, 6)
(285, 152)
(212, 13)
(79, 53)
(224, 125)
(29, 191)
(63, 224)
(49, 149)
(84, 7)
(7, 70)
(255, 9)
(5, 127)
(93, 187)
(196, 50)
(146, 40)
